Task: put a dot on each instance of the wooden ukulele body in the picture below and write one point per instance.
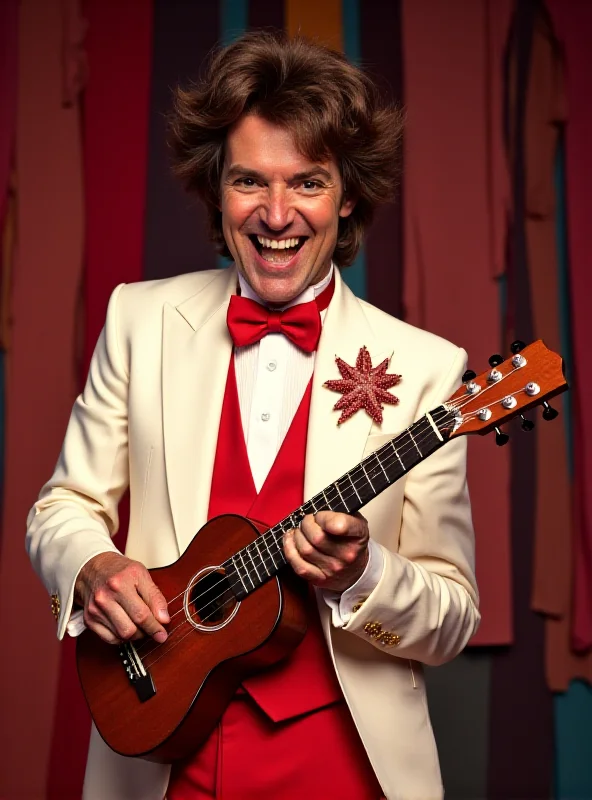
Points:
(196, 672)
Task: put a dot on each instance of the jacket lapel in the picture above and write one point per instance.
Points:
(196, 354)
(331, 449)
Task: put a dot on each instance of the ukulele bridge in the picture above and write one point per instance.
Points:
(136, 672)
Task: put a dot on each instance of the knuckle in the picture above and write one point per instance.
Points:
(301, 570)
(114, 582)
(306, 549)
(100, 598)
(126, 631)
(317, 538)
(336, 566)
(141, 615)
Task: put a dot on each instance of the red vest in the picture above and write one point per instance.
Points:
(306, 680)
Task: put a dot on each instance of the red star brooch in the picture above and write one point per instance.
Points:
(363, 386)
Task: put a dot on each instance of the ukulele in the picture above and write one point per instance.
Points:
(232, 613)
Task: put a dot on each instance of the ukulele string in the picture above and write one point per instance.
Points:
(374, 472)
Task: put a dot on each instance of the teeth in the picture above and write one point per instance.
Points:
(277, 244)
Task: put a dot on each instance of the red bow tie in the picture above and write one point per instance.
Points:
(248, 321)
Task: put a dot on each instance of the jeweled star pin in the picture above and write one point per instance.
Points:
(363, 386)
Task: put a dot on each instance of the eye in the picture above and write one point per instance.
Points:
(246, 182)
(311, 185)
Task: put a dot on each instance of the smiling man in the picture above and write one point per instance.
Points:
(214, 393)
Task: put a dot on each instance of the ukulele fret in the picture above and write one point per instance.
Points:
(381, 467)
(250, 548)
(265, 567)
(392, 444)
(414, 442)
(367, 477)
(353, 485)
(247, 573)
(336, 485)
(265, 539)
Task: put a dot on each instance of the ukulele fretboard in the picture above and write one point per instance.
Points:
(262, 559)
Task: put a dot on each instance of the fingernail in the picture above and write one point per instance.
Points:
(160, 637)
(163, 616)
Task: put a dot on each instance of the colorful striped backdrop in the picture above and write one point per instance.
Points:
(488, 241)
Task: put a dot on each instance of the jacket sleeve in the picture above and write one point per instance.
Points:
(75, 515)
(425, 605)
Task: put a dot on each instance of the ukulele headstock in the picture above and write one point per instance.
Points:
(530, 377)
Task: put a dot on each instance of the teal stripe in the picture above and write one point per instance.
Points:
(573, 709)
(350, 11)
(234, 16)
(354, 276)
(573, 743)
(233, 19)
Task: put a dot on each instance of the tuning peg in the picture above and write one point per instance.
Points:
(517, 346)
(549, 412)
(495, 360)
(469, 375)
(527, 424)
(501, 438)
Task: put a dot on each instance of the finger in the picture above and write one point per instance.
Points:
(106, 608)
(153, 597)
(143, 618)
(130, 588)
(329, 565)
(301, 567)
(102, 632)
(350, 526)
(309, 553)
(319, 540)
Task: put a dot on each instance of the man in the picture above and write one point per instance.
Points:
(291, 149)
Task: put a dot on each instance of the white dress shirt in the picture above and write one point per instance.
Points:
(272, 375)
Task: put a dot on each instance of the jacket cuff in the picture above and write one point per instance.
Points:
(344, 604)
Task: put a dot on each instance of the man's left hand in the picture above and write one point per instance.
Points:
(329, 549)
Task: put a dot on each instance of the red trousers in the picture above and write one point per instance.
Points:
(318, 756)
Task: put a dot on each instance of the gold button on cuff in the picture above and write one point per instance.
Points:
(389, 639)
(373, 629)
(55, 606)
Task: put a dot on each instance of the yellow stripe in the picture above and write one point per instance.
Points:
(318, 19)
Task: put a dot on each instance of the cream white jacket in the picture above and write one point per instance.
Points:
(148, 418)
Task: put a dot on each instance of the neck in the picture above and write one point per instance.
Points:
(309, 293)
(262, 559)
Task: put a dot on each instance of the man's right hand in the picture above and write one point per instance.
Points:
(120, 599)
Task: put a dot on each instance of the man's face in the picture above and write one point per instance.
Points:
(280, 211)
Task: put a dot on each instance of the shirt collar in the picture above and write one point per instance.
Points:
(305, 297)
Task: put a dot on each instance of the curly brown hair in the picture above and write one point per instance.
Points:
(331, 107)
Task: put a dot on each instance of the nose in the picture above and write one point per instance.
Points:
(277, 212)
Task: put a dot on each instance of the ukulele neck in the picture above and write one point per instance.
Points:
(263, 558)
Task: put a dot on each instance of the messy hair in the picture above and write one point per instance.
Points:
(331, 108)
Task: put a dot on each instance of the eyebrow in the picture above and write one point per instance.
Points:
(237, 170)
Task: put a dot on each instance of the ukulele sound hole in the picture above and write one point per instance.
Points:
(211, 603)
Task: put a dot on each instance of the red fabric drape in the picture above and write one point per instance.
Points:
(573, 25)
(454, 207)
(119, 48)
(41, 378)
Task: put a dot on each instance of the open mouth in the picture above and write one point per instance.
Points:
(277, 251)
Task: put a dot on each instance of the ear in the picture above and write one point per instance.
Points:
(347, 206)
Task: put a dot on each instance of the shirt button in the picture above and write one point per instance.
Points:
(265, 416)
(272, 365)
